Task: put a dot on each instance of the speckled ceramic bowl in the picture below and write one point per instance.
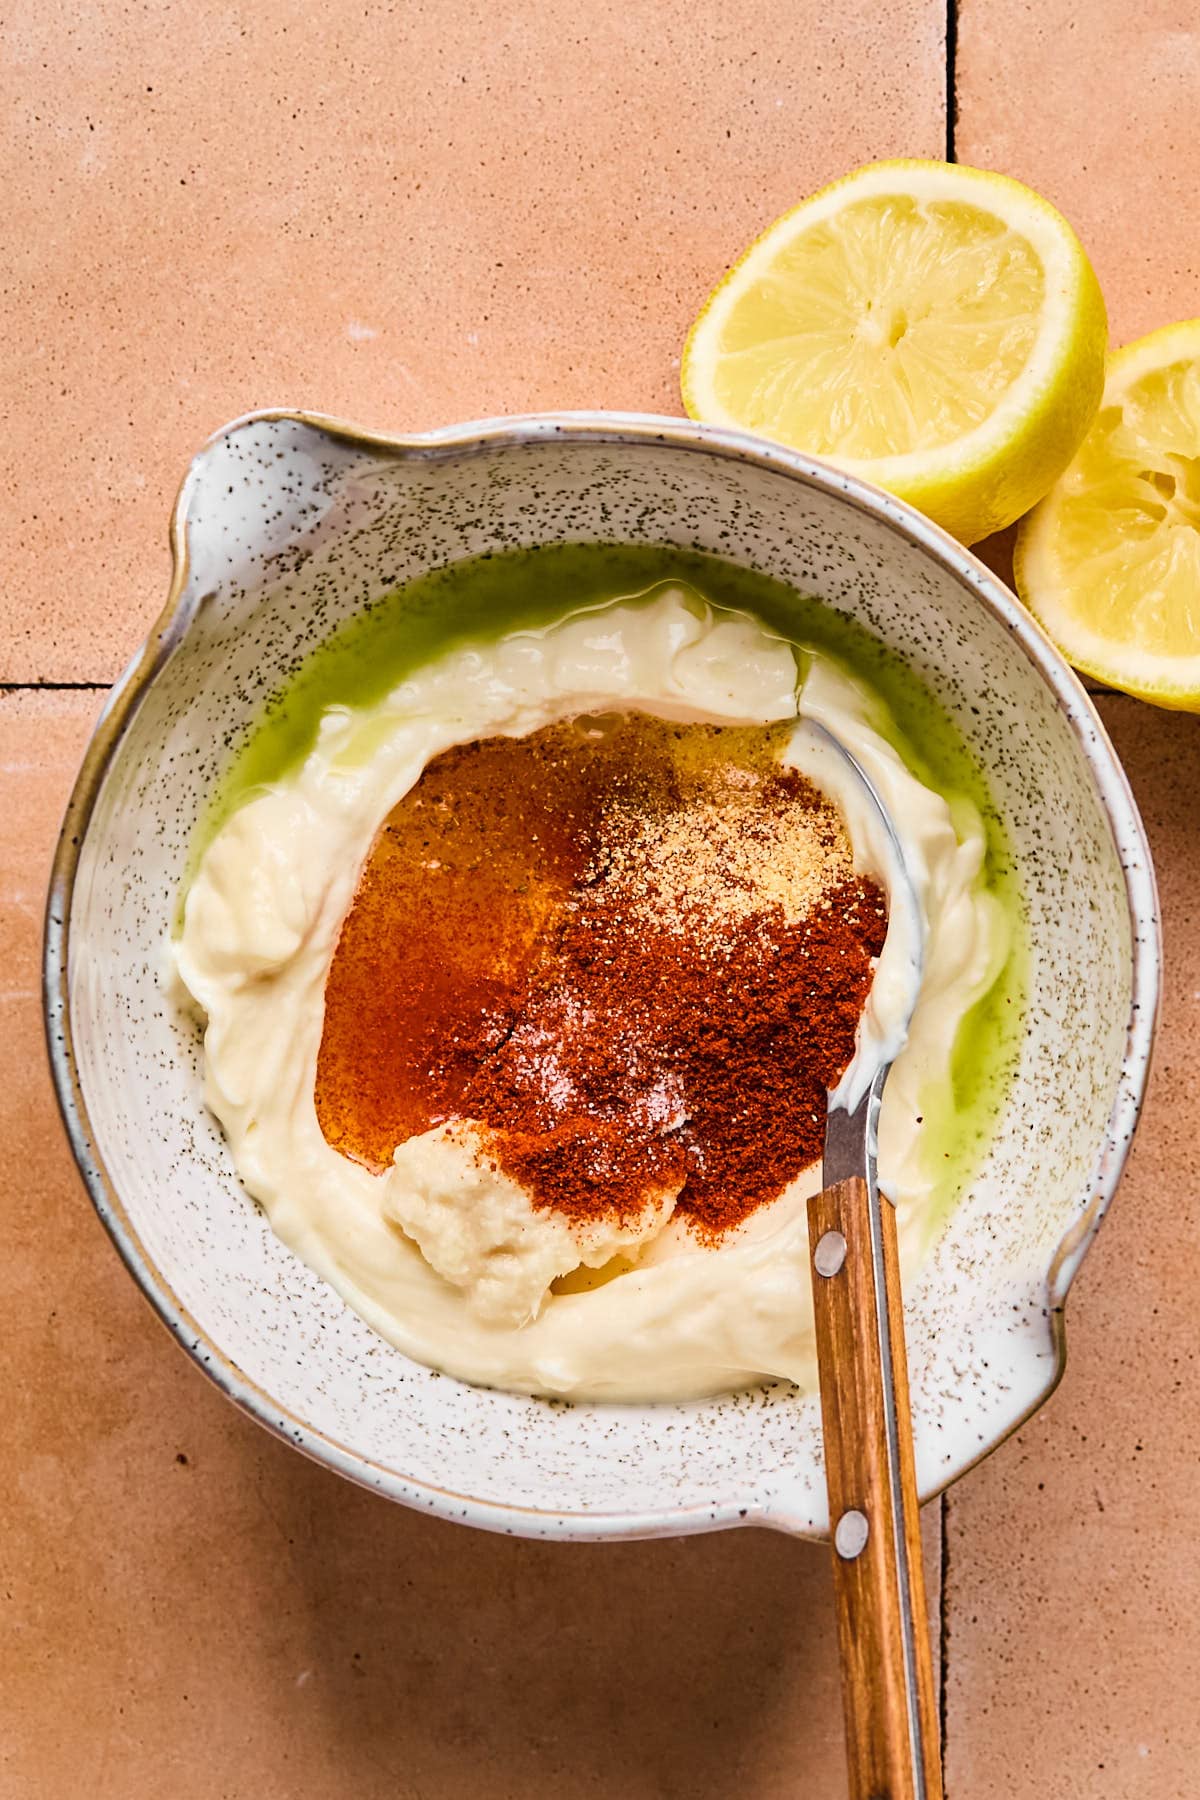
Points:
(287, 524)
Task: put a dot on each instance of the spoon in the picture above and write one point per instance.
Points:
(879, 1583)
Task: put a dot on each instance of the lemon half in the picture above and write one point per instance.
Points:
(1109, 563)
(934, 328)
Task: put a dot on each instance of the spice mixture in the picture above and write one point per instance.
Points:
(635, 952)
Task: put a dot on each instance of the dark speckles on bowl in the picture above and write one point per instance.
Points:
(288, 525)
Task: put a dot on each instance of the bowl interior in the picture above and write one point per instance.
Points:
(289, 530)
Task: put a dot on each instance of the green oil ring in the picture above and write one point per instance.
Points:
(483, 598)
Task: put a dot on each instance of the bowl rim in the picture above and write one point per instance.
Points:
(477, 437)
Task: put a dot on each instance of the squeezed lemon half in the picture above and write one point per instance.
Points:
(1109, 562)
(934, 328)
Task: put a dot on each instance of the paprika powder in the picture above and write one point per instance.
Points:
(634, 952)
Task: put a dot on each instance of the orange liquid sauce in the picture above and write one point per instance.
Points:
(459, 896)
(567, 938)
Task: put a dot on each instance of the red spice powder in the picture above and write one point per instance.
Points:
(493, 968)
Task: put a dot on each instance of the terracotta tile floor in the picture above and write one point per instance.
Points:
(377, 212)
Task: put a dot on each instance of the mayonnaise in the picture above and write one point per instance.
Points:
(453, 1264)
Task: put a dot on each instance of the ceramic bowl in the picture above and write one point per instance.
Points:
(286, 524)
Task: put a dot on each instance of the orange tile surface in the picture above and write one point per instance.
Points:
(1095, 105)
(1073, 1648)
(1073, 1589)
(382, 212)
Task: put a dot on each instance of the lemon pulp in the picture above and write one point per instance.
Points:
(935, 328)
(1110, 561)
(869, 340)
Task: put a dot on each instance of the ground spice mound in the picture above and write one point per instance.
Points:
(636, 952)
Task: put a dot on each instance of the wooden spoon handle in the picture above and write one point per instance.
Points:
(879, 1583)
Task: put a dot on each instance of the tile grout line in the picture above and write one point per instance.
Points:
(951, 77)
(54, 687)
(1094, 689)
(943, 1503)
(944, 1632)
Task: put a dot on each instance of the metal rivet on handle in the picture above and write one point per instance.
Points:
(850, 1538)
(830, 1253)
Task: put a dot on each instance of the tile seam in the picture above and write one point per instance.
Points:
(54, 687)
(951, 78)
(943, 1633)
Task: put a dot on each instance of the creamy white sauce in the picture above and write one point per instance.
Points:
(444, 1256)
